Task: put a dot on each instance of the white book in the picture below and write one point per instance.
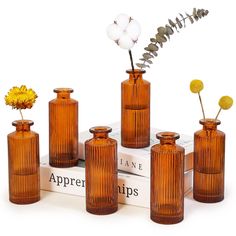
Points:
(132, 189)
(137, 160)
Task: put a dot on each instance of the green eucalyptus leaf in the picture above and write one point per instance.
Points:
(153, 47)
(195, 14)
(190, 18)
(169, 30)
(153, 40)
(160, 38)
(161, 30)
(178, 22)
(183, 19)
(147, 56)
(154, 53)
(142, 65)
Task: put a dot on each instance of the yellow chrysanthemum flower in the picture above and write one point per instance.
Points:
(196, 86)
(225, 102)
(20, 97)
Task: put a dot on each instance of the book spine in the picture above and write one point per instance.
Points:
(133, 190)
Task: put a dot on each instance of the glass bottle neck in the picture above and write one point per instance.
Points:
(63, 93)
(136, 74)
(100, 131)
(209, 124)
(167, 138)
(22, 125)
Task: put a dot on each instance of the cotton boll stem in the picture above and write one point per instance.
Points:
(131, 60)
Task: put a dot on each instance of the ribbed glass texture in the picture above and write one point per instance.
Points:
(135, 111)
(63, 129)
(101, 172)
(209, 162)
(23, 162)
(167, 180)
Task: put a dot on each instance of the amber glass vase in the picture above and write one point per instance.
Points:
(23, 162)
(135, 111)
(167, 180)
(101, 172)
(63, 129)
(209, 162)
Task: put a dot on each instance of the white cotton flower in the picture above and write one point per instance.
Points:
(134, 30)
(122, 20)
(114, 32)
(124, 31)
(125, 41)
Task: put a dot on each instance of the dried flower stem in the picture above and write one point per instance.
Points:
(200, 99)
(218, 113)
(21, 114)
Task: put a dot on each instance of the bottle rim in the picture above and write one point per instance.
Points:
(22, 122)
(63, 90)
(167, 135)
(136, 71)
(100, 129)
(209, 121)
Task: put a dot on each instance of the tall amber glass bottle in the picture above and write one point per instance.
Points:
(63, 129)
(101, 172)
(135, 111)
(23, 162)
(167, 180)
(209, 162)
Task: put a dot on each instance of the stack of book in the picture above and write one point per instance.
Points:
(133, 174)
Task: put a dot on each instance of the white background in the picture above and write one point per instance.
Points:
(52, 43)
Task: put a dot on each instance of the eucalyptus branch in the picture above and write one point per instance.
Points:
(164, 33)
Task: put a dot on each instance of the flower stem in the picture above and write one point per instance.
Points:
(200, 99)
(218, 113)
(21, 115)
(131, 60)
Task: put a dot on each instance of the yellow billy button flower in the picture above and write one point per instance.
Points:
(20, 97)
(196, 86)
(225, 102)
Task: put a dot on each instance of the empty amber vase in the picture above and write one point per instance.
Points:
(167, 180)
(63, 129)
(135, 111)
(101, 172)
(23, 162)
(209, 162)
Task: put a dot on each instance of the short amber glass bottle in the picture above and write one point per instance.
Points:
(135, 111)
(101, 172)
(167, 180)
(23, 162)
(209, 162)
(63, 129)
